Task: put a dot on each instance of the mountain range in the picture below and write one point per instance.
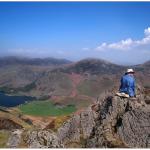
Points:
(50, 77)
(13, 60)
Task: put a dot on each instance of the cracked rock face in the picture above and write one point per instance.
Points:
(135, 128)
(122, 123)
(77, 128)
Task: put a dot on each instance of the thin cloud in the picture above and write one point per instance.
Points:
(85, 49)
(127, 44)
(61, 52)
(28, 52)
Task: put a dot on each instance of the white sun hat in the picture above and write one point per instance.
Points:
(129, 71)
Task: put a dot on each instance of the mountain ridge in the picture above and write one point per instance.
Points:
(32, 61)
(63, 60)
(60, 80)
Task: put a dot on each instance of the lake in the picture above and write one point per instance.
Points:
(12, 101)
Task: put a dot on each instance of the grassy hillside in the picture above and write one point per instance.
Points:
(52, 83)
(4, 135)
(14, 115)
(95, 85)
(79, 101)
(18, 76)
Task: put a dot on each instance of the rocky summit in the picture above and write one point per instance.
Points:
(111, 122)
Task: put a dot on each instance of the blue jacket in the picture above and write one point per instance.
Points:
(128, 85)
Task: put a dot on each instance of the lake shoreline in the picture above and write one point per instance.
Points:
(8, 100)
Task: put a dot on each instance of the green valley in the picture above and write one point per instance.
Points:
(46, 108)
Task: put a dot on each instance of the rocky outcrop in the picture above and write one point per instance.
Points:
(135, 128)
(111, 122)
(122, 123)
(73, 133)
(42, 139)
(78, 128)
(14, 139)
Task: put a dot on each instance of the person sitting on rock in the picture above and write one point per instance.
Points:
(127, 87)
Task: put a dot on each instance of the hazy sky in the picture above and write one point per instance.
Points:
(115, 31)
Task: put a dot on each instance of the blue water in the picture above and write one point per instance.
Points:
(12, 101)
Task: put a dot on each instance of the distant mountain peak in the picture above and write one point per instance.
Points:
(96, 60)
(94, 66)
